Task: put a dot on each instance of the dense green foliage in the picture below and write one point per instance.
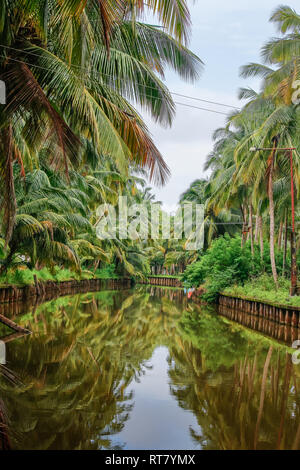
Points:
(74, 141)
(70, 137)
(24, 276)
(225, 263)
(249, 187)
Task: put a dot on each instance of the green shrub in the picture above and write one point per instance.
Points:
(108, 272)
(226, 263)
(25, 276)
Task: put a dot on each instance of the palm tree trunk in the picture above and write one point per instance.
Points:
(256, 229)
(280, 235)
(261, 236)
(251, 228)
(9, 203)
(245, 223)
(272, 216)
(285, 243)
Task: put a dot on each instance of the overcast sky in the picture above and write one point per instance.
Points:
(225, 35)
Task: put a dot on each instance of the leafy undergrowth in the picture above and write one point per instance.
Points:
(263, 289)
(106, 273)
(163, 276)
(25, 276)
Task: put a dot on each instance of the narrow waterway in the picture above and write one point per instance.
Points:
(144, 369)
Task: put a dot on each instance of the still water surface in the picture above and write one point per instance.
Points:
(144, 369)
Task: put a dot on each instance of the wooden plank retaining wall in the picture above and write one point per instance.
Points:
(278, 313)
(284, 333)
(162, 281)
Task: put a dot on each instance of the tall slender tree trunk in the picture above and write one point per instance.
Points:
(280, 235)
(7, 186)
(272, 216)
(251, 228)
(245, 223)
(261, 236)
(256, 229)
(285, 243)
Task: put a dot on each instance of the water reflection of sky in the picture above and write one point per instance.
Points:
(156, 421)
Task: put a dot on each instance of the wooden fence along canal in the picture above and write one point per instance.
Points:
(280, 322)
(48, 290)
(278, 313)
(162, 281)
(280, 332)
(177, 295)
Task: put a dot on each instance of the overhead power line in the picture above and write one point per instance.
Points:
(156, 98)
(198, 107)
(205, 101)
(121, 79)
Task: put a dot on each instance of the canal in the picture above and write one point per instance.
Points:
(144, 369)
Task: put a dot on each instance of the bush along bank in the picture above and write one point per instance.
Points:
(229, 267)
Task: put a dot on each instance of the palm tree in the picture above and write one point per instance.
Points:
(70, 70)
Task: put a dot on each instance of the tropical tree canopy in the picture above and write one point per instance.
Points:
(71, 136)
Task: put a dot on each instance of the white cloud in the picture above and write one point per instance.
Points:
(226, 35)
(186, 145)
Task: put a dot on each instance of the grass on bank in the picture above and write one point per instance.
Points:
(164, 276)
(263, 289)
(24, 276)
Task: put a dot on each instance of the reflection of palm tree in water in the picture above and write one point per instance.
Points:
(9, 376)
(245, 402)
(83, 354)
(4, 439)
(86, 350)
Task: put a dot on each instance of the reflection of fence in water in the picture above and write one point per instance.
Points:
(14, 309)
(161, 281)
(171, 294)
(281, 332)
